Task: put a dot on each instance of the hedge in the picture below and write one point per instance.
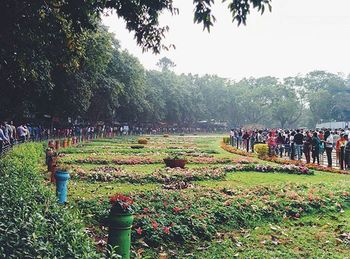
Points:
(32, 224)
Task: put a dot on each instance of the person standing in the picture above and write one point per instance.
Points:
(21, 133)
(328, 142)
(280, 143)
(307, 147)
(315, 148)
(292, 148)
(339, 147)
(298, 143)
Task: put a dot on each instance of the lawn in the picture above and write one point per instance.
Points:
(221, 205)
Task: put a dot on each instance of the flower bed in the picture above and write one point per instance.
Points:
(168, 218)
(288, 169)
(117, 161)
(162, 175)
(284, 161)
(236, 151)
(311, 166)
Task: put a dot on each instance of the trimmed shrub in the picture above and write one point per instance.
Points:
(226, 140)
(32, 223)
(166, 135)
(262, 150)
(142, 141)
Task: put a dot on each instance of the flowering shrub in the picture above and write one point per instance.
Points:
(226, 140)
(262, 150)
(121, 203)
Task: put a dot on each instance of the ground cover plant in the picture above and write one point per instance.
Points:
(32, 224)
(220, 206)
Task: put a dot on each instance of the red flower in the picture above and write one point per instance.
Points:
(124, 202)
(176, 209)
(121, 198)
(139, 230)
(166, 230)
(154, 225)
(146, 210)
(165, 203)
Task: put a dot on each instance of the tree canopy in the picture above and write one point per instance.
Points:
(57, 59)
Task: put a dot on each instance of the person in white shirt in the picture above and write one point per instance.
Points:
(328, 141)
(21, 133)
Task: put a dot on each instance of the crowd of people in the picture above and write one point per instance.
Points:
(11, 134)
(298, 143)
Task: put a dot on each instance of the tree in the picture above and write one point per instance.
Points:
(165, 64)
(286, 108)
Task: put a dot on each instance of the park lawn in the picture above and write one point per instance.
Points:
(315, 234)
(249, 179)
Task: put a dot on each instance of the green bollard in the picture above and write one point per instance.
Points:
(119, 232)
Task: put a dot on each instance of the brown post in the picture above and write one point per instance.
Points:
(57, 142)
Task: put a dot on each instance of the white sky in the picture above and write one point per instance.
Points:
(299, 36)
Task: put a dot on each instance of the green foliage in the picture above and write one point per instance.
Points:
(262, 150)
(226, 140)
(31, 222)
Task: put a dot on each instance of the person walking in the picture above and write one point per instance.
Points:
(328, 142)
(315, 148)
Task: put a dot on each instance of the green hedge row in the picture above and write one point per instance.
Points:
(32, 224)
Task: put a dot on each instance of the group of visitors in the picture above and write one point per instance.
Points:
(10, 134)
(298, 143)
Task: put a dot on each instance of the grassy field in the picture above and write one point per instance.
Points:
(222, 214)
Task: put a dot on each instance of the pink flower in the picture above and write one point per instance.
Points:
(145, 210)
(166, 230)
(154, 225)
(139, 230)
(176, 209)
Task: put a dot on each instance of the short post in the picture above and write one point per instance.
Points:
(62, 177)
(65, 143)
(57, 144)
(341, 157)
(51, 144)
(120, 223)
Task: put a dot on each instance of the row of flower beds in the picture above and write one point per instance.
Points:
(138, 160)
(311, 166)
(171, 175)
(170, 218)
(284, 161)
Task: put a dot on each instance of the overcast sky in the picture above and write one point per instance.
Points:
(297, 37)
